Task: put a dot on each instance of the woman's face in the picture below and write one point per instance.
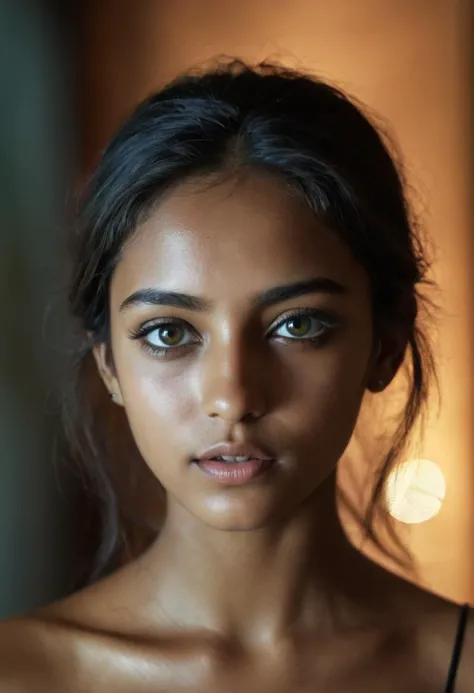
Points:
(238, 360)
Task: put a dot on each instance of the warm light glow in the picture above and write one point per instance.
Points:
(415, 491)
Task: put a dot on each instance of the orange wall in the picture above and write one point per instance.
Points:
(406, 59)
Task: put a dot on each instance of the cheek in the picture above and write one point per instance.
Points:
(157, 399)
(328, 392)
(325, 397)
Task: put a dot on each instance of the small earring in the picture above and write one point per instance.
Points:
(114, 397)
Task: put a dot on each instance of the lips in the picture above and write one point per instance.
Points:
(234, 450)
(234, 464)
(232, 460)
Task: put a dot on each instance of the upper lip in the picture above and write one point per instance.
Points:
(235, 450)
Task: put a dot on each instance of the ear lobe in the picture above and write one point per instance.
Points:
(387, 360)
(107, 372)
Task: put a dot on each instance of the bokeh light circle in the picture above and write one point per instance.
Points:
(415, 491)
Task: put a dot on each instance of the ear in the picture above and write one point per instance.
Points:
(387, 358)
(104, 361)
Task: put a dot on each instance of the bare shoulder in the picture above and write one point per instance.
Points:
(93, 642)
(32, 659)
(465, 673)
(444, 626)
(53, 650)
(455, 645)
(47, 647)
(41, 650)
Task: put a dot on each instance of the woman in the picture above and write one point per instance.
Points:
(246, 277)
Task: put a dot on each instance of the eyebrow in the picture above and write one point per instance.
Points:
(269, 297)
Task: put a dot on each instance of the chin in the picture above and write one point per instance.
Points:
(242, 514)
(234, 524)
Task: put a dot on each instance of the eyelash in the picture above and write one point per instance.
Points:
(328, 320)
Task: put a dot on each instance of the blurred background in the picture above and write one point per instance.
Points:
(70, 73)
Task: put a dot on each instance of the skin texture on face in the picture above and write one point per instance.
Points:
(242, 371)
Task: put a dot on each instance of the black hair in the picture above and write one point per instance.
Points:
(221, 120)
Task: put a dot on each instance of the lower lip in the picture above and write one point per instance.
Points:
(234, 473)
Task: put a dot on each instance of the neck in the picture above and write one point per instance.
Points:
(302, 574)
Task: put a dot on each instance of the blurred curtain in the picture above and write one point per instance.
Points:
(36, 157)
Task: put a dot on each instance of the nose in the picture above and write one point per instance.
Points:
(232, 383)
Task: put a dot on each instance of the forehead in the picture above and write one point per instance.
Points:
(233, 238)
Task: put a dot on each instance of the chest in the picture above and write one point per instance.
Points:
(391, 669)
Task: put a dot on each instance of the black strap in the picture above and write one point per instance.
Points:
(453, 669)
